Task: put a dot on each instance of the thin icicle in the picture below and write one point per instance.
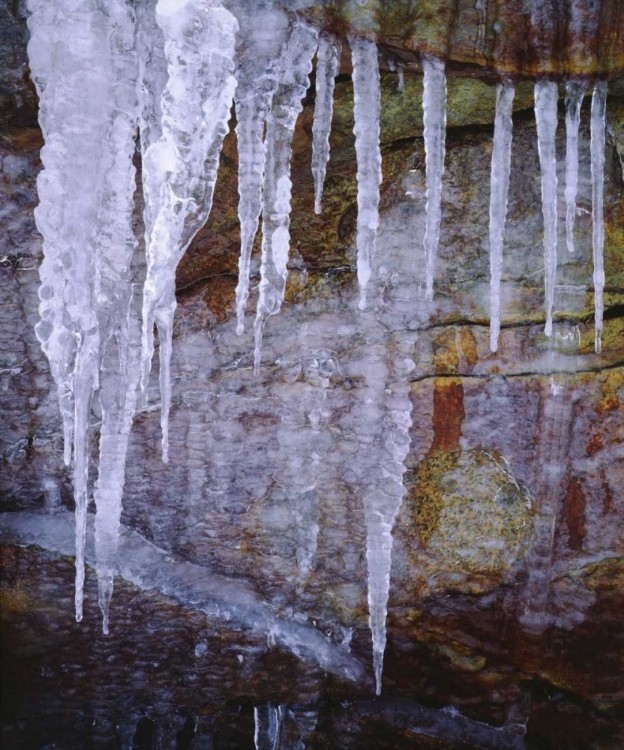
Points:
(262, 38)
(401, 74)
(434, 120)
(180, 168)
(281, 121)
(574, 98)
(598, 128)
(546, 96)
(268, 723)
(113, 294)
(327, 67)
(499, 190)
(366, 109)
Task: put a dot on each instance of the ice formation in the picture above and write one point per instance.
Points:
(327, 67)
(282, 118)
(546, 97)
(598, 126)
(574, 98)
(499, 189)
(168, 70)
(366, 110)
(268, 722)
(260, 43)
(88, 117)
(180, 168)
(434, 121)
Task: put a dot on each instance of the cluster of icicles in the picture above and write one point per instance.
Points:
(171, 70)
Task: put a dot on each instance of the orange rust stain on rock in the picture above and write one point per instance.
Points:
(574, 514)
(448, 413)
(594, 444)
(607, 499)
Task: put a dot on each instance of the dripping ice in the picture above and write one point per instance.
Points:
(499, 189)
(434, 121)
(574, 98)
(546, 97)
(598, 128)
(327, 67)
(180, 168)
(296, 65)
(88, 161)
(366, 112)
(261, 40)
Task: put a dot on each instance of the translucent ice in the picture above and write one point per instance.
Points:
(88, 111)
(546, 96)
(573, 101)
(598, 123)
(366, 107)
(180, 168)
(434, 120)
(281, 121)
(327, 67)
(499, 189)
(262, 38)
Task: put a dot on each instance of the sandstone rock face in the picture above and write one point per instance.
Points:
(506, 576)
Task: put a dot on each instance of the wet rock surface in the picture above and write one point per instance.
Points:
(506, 583)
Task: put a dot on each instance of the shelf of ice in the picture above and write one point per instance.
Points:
(170, 71)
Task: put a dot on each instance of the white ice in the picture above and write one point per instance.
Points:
(546, 97)
(88, 117)
(366, 108)
(598, 127)
(260, 44)
(327, 68)
(281, 121)
(180, 168)
(434, 120)
(268, 722)
(574, 98)
(499, 189)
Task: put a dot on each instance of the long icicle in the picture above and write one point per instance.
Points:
(327, 67)
(574, 98)
(116, 243)
(499, 190)
(598, 128)
(434, 120)
(281, 121)
(180, 168)
(76, 110)
(546, 96)
(366, 107)
(261, 42)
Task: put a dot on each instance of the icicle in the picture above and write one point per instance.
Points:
(180, 168)
(366, 108)
(113, 294)
(281, 121)
(263, 35)
(598, 121)
(499, 189)
(327, 68)
(546, 96)
(401, 74)
(434, 120)
(574, 98)
(268, 722)
(78, 87)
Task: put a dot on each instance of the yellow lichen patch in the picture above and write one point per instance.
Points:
(612, 383)
(473, 520)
